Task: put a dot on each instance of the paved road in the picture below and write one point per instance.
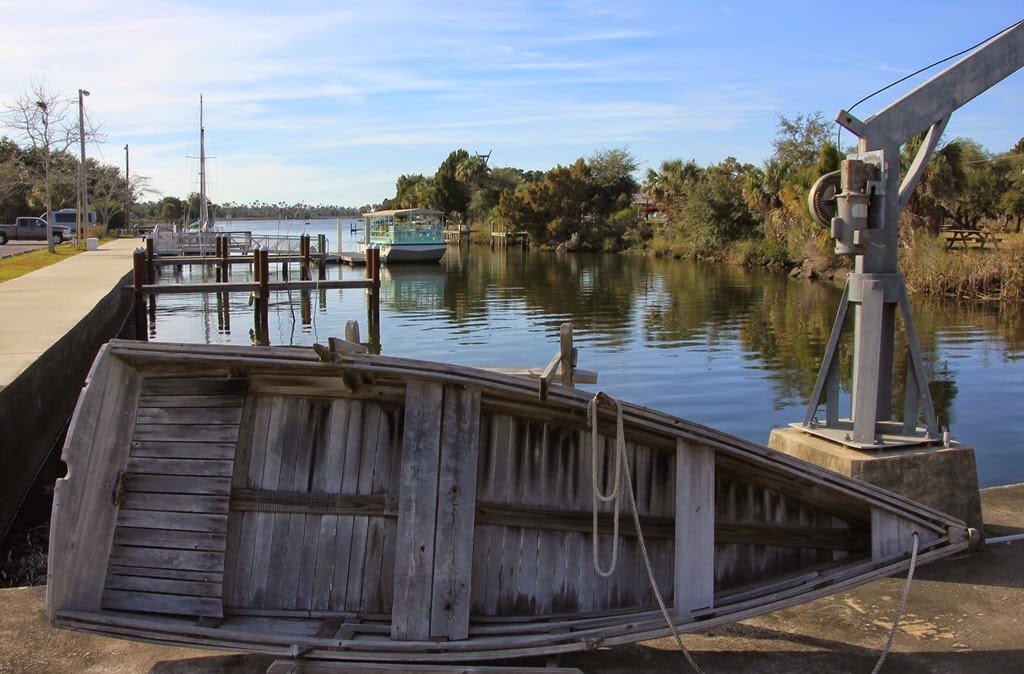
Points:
(15, 247)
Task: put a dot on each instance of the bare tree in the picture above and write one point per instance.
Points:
(44, 120)
(112, 194)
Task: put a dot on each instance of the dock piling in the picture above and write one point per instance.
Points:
(262, 295)
(150, 255)
(321, 267)
(304, 254)
(139, 279)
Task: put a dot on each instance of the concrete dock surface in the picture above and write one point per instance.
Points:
(963, 615)
(50, 301)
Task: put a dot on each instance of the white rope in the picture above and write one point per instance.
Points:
(622, 469)
(616, 494)
(899, 611)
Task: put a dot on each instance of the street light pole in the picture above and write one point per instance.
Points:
(82, 219)
(128, 188)
(42, 105)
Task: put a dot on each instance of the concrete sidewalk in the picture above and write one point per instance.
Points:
(964, 615)
(38, 309)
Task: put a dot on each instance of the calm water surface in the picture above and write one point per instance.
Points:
(735, 349)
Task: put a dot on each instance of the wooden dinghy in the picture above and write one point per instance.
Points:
(367, 508)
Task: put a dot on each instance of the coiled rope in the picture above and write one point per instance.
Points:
(621, 470)
(622, 478)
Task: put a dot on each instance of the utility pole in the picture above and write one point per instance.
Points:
(42, 105)
(82, 218)
(128, 189)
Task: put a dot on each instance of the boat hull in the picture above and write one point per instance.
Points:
(398, 510)
(391, 253)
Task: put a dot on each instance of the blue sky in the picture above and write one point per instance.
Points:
(329, 102)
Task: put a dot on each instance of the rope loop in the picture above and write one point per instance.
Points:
(615, 496)
(622, 472)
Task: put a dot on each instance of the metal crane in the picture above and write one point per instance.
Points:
(862, 205)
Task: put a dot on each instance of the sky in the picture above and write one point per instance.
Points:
(329, 102)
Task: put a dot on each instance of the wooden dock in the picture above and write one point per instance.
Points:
(147, 262)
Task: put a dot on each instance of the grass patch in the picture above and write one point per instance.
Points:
(979, 274)
(19, 265)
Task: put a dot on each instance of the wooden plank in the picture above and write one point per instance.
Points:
(181, 503)
(242, 526)
(344, 570)
(191, 560)
(164, 586)
(189, 432)
(695, 528)
(417, 511)
(190, 415)
(151, 602)
(300, 559)
(891, 534)
(381, 533)
(327, 474)
(190, 401)
(320, 437)
(456, 503)
(203, 522)
(151, 572)
(183, 449)
(194, 467)
(168, 538)
(324, 667)
(193, 386)
(280, 569)
(177, 484)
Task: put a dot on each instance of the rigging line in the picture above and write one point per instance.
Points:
(626, 487)
(902, 607)
(921, 70)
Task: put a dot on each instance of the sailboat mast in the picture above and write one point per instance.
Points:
(204, 213)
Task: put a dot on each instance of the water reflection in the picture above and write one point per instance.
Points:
(735, 349)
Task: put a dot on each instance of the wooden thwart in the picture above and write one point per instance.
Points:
(433, 558)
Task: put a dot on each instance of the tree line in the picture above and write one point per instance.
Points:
(745, 212)
(750, 213)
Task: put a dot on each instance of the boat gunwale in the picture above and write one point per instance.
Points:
(635, 626)
(569, 402)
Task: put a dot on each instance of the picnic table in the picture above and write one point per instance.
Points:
(971, 237)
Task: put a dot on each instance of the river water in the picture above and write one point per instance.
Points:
(731, 348)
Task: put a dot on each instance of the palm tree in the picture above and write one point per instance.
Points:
(933, 198)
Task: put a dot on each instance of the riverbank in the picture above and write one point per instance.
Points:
(963, 615)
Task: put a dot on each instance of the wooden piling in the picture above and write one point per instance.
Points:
(216, 247)
(567, 354)
(373, 301)
(321, 267)
(139, 279)
(261, 311)
(224, 252)
(150, 254)
(304, 253)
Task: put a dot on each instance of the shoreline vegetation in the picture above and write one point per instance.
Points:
(727, 212)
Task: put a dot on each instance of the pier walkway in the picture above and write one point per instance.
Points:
(40, 308)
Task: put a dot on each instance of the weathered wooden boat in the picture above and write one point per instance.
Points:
(366, 508)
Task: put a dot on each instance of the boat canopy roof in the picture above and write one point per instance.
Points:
(402, 212)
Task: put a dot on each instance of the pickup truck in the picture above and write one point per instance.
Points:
(25, 229)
